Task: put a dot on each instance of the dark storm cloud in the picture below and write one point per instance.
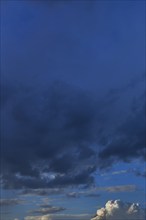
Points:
(76, 178)
(58, 130)
(128, 142)
(49, 133)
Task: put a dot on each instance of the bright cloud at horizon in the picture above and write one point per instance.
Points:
(119, 210)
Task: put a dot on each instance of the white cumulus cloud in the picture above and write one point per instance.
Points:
(118, 210)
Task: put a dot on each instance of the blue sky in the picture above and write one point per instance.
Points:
(72, 106)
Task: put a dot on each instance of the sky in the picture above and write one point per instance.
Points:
(72, 107)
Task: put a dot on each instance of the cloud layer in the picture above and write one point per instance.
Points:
(10, 202)
(59, 217)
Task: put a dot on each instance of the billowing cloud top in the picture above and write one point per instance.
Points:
(118, 210)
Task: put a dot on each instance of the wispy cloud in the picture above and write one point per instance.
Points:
(118, 172)
(122, 188)
(10, 202)
(42, 192)
(73, 195)
(111, 189)
(47, 209)
(94, 191)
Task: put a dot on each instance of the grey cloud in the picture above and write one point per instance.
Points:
(10, 202)
(42, 192)
(94, 191)
(124, 188)
(111, 189)
(47, 209)
(73, 195)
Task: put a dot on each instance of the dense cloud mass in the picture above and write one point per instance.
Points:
(119, 210)
(58, 130)
(53, 131)
(132, 134)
